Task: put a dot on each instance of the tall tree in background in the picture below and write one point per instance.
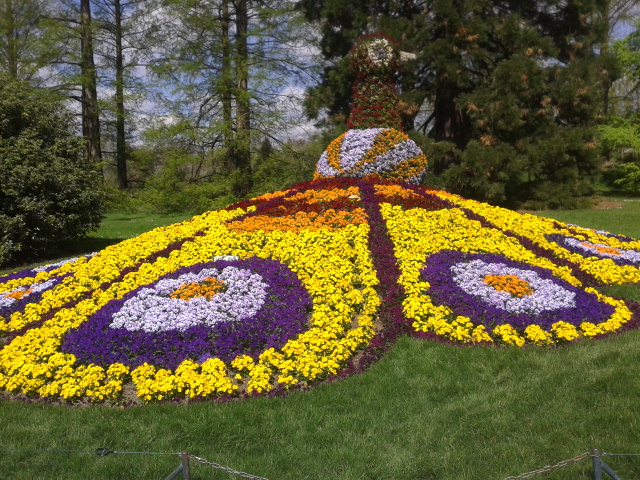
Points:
(227, 62)
(123, 48)
(117, 9)
(27, 43)
(242, 146)
(89, 95)
(515, 87)
(613, 16)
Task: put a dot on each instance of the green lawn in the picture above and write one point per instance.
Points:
(425, 411)
(115, 227)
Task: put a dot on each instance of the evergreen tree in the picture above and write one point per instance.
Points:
(515, 87)
(49, 194)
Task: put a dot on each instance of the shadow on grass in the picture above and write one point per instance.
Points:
(76, 248)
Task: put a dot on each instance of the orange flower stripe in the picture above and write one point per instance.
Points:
(328, 220)
(333, 153)
(395, 191)
(269, 196)
(512, 284)
(18, 294)
(319, 196)
(609, 250)
(207, 288)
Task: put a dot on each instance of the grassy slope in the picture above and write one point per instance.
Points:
(425, 411)
(114, 228)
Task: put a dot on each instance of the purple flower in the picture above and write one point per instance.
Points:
(456, 281)
(246, 324)
(620, 256)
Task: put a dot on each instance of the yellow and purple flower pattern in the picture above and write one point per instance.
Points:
(301, 285)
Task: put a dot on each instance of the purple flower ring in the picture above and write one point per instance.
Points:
(620, 256)
(494, 290)
(222, 309)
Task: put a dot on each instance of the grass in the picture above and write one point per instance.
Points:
(425, 411)
(116, 227)
(616, 215)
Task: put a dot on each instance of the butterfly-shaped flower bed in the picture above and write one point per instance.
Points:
(302, 285)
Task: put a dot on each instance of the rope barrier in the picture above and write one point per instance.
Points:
(226, 469)
(103, 452)
(548, 468)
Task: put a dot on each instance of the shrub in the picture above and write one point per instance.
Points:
(48, 193)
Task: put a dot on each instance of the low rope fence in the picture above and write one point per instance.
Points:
(599, 466)
(184, 469)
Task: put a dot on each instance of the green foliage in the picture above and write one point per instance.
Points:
(286, 167)
(520, 85)
(174, 181)
(629, 177)
(484, 173)
(48, 194)
(620, 132)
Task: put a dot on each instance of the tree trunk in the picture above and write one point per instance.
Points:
(90, 113)
(11, 39)
(227, 76)
(243, 104)
(121, 147)
(450, 124)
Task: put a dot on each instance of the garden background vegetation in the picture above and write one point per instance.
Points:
(190, 106)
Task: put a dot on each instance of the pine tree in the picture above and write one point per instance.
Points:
(515, 87)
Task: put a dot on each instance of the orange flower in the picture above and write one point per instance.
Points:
(312, 221)
(207, 288)
(601, 249)
(512, 284)
(18, 294)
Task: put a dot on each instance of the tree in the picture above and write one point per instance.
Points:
(49, 193)
(228, 62)
(122, 48)
(620, 132)
(27, 43)
(89, 98)
(515, 88)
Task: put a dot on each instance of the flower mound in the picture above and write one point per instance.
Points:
(373, 153)
(301, 285)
